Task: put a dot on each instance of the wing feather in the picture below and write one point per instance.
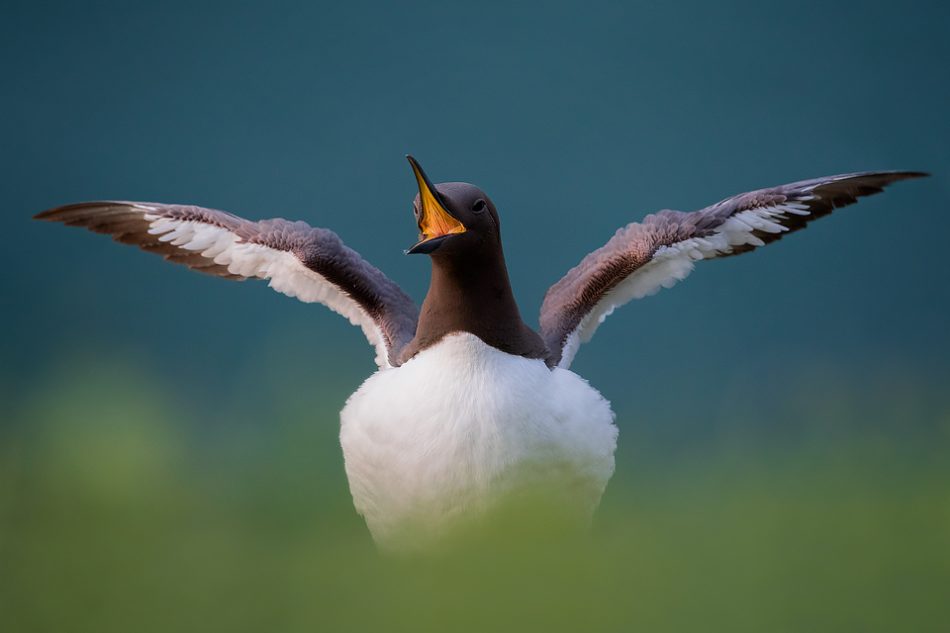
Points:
(311, 264)
(643, 257)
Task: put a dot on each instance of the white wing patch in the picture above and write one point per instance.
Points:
(283, 270)
(673, 263)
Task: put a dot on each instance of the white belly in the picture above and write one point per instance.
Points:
(446, 437)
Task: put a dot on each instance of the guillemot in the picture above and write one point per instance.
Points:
(469, 404)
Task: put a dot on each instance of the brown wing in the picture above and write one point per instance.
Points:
(643, 257)
(309, 263)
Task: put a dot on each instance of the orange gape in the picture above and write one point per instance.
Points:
(434, 220)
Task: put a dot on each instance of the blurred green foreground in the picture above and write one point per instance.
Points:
(120, 511)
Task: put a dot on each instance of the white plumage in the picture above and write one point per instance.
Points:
(673, 263)
(449, 435)
(283, 270)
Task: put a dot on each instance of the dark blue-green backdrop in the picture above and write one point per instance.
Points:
(576, 117)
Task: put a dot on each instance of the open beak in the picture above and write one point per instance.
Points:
(436, 223)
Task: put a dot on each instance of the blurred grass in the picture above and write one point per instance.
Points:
(121, 509)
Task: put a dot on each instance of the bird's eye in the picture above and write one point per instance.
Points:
(479, 206)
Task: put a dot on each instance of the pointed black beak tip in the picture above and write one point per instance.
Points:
(426, 247)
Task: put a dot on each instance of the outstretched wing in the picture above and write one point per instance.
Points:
(643, 257)
(308, 263)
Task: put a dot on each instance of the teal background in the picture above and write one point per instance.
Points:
(168, 451)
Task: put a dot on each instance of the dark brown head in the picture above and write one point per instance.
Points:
(455, 219)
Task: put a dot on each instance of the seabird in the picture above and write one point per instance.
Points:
(469, 405)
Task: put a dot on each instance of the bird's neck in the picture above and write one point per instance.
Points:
(473, 294)
(476, 287)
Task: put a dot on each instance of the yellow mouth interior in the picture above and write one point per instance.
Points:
(434, 220)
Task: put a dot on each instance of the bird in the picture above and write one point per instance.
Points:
(470, 406)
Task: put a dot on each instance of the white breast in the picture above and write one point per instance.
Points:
(442, 439)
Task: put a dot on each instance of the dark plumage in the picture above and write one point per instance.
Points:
(318, 250)
(470, 289)
(571, 299)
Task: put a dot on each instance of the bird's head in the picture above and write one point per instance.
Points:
(453, 217)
